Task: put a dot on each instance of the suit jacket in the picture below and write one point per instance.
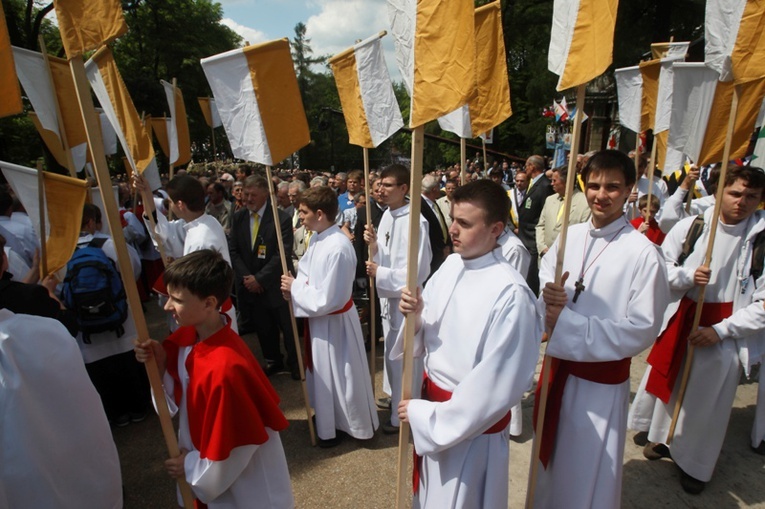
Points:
(551, 219)
(437, 243)
(529, 211)
(244, 257)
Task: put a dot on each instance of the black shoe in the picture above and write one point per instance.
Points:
(760, 449)
(273, 368)
(691, 484)
(383, 403)
(389, 429)
(295, 372)
(331, 442)
(138, 416)
(121, 421)
(653, 451)
(640, 438)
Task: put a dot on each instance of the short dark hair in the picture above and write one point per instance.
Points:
(203, 273)
(562, 172)
(398, 172)
(90, 211)
(753, 177)
(486, 195)
(188, 190)
(320, 198)
(611, 160)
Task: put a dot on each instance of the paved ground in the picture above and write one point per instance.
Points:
(363, 474)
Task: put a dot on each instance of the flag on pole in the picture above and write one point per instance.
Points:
(491, 105)
(105, 79)
(669, 50)
(629, 92)
(758, 156)
(435, 52)
(700, 110)
(734, 39)
(87, 24)
(108, 134)
(64, 199)
(488, 137)
(160, 127)
(259, 102)
(210, 111)
(10, 94)
(366, 94)
(45, 88)
(581, 40)
(178, 128)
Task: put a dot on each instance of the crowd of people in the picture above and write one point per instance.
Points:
(205, 245)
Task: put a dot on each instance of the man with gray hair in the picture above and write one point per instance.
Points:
(438, 229)
(529, 211)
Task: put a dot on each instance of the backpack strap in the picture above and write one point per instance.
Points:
(98, 242)
(694, 232)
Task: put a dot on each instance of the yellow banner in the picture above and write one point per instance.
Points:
(748, 56)
(278, 97)
(87, 24)
(65, 197)
(347, 81)
(650, 72)
(10, 93)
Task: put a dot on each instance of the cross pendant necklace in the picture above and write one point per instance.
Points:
(579, 284)
(387, 238)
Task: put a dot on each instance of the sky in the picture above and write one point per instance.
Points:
(331, 25)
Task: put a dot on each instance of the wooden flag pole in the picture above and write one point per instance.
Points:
(463, 158)
(77, 67)
(60, 118)
(212, 131)
(43, 238)
(172, 166)
(707, 261)
(562, 237)
(371, 292)
(283, 257)
(691, 190)
(650, 169)
(485, 161)
(415, 204)
(637, 173)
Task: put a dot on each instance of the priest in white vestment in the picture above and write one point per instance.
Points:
(338, 379)
(606, 310)
(479, 332)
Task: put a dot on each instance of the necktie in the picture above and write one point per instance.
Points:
(308, 234)
(560, 209)
(255, 227)
(441, 221)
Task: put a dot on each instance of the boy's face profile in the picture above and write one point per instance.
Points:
(471, 235)
(308, 217)
(187, 308)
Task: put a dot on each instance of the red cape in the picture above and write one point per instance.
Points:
(229, 400)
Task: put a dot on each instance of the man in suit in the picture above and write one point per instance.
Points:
(438, 229)
(258, 270)
(529, 210)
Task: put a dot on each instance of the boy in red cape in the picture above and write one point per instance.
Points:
(231, 453)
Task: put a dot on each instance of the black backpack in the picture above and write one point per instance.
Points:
(694, 232)
(93, 290)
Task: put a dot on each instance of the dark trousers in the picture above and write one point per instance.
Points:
(267, 320)
(122, 383)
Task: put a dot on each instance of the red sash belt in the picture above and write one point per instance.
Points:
(308, 358)
(669, 350)
(432, 392)
(610, 372)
